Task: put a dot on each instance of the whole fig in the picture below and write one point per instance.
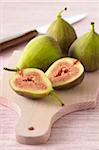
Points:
(40, 53)
(62, 32)
(86, 49)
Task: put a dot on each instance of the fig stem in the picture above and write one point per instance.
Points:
(9, 69)
(60, 12)
(57, 98)
(92, 26)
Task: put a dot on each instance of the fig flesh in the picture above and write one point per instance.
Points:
(40, 53)
(66, 72)
(32, 83)
(86, 49)
(62, 32)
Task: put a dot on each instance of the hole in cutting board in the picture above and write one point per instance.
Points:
(31, 128)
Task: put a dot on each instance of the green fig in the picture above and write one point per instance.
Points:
(32, 83)
(86, 49)
(62, 32)
(40, 53)
(65, 73)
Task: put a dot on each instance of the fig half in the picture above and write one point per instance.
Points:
(66, 72)
(32, 83)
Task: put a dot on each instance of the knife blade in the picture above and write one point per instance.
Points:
(13, 40)
(72, 20)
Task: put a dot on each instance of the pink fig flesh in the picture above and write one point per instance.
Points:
(65, 71)
(30, 81)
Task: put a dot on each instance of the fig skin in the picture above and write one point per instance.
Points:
(86, 49)
(32, 93)
(77, 79)
(40, 53)
(71, 84)
(63, 33)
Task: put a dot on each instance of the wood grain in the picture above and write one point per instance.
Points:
(77, 131)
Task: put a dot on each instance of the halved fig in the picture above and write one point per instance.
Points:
(66, 72)
(32, 83)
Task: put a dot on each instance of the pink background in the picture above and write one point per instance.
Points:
(77, 131)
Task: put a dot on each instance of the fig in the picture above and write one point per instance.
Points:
(62, 32)
(40, 53)
(65, 72)
(86, 49)
(32, 83)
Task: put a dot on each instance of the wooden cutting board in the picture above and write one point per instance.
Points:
(36, 117)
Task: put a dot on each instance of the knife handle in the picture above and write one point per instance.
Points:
(16, 40)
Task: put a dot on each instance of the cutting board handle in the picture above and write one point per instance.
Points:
(31, 129)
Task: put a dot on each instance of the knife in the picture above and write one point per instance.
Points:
(14, 40)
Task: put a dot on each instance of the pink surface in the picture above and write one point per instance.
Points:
(77, 131)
